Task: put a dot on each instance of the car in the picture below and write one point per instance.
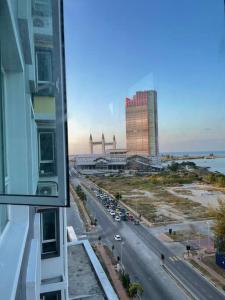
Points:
(131, 218)
(117, 237)
(112, 213)
(124, 218)
(136, 222)
(117, 218)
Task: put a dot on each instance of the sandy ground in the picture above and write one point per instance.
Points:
(205, 194)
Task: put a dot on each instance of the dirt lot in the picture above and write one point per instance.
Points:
(155, 200)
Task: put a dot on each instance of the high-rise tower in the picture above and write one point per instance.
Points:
(142, 123)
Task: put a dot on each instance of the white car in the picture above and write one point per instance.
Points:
(117, 218)
(117, 237)
(112, 213)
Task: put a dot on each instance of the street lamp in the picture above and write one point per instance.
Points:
(207, 222)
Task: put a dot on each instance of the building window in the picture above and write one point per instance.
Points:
(44, 66)
(50, 233)
(47, 164)
(56, 295)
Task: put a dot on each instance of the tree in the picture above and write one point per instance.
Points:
(125, 280)
(118, 196)
(134, 289)
(174, 166)
(219, 223)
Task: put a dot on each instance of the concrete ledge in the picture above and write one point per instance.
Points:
(100, 273)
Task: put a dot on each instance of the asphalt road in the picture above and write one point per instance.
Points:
(140, 254)
(138, 261)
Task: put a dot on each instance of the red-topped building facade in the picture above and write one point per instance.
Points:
(142, 123)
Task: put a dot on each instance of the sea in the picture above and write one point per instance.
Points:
(215, 164)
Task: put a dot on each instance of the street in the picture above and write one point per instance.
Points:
(140, 253)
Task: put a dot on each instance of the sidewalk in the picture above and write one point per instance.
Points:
(112, 273)
(81, 208)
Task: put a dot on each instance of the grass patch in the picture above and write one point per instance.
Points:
(211, 262)
(143, 207)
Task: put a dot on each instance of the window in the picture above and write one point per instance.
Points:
(44, 66)
(47, 163)
(56, 295)
(32, 155)
(50, 233)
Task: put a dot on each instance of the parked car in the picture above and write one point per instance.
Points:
(117, 218)
(117, 237)
(124, 218)
(131, 218)
(112, 213)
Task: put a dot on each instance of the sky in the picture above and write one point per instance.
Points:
(177, 47)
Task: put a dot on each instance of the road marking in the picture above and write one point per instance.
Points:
(174, 258)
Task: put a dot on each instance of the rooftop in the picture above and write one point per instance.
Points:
(87, 279)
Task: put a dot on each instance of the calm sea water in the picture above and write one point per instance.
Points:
(216, 164)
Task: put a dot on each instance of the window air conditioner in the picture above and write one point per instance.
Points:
(47, 188)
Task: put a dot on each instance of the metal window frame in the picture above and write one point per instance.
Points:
(44, 51)
(40, 132)
(62, 157)
(56, 253)
(57, 293)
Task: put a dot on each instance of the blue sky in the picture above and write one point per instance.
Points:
(177, 47)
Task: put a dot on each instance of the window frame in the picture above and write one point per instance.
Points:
(44, 51)
(57, 293)
(53, 161)
(56, 253)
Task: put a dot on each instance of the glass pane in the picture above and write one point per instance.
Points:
(46, 146)
(49, 225)
(49, 247)
(33, 107)
(44, 66)
(51, 296)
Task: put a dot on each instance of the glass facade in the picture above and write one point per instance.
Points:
(141, 124)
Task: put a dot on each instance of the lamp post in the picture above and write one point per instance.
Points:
(136, 207)
(207, 222)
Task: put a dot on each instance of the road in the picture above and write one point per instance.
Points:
(140, 254)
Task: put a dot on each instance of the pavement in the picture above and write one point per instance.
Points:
(113, 274)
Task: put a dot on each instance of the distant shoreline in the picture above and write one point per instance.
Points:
(186, 157)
